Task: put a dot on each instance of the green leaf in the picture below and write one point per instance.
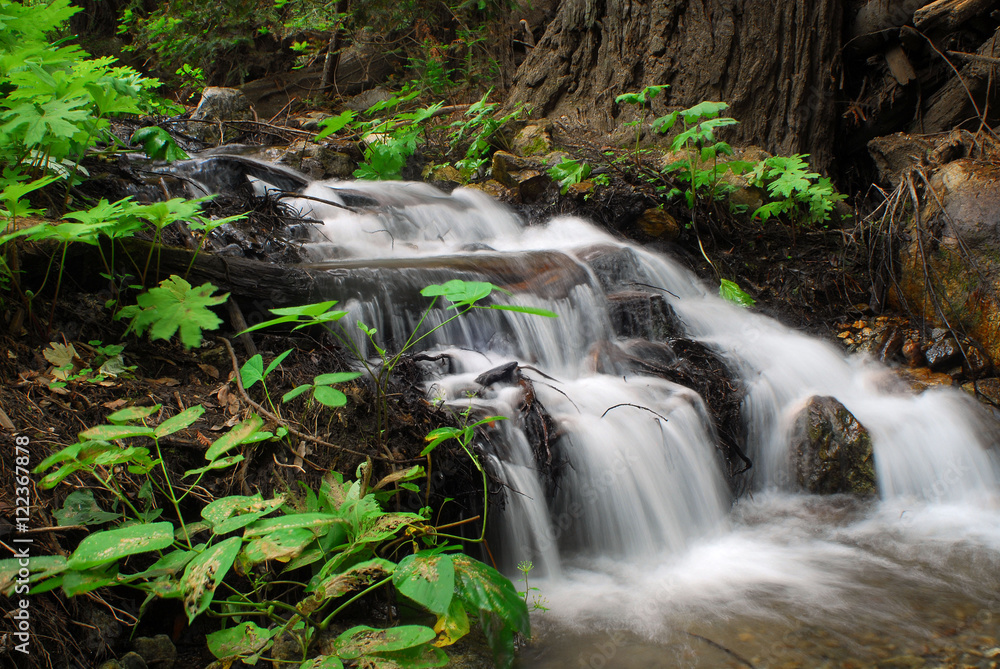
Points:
(323, 662)
(460, 292)
(281, 545)
(80, 508)
(234, 437)
(295, 392)
(252, 371)
(204, 573)
(168, 565)
(174, 306)
(334, 123)
(534, 311)
(362, 640)
(111, 545)
(236, 505)
(244, 639)
(132, 413)
(112, 432)
(181, 421)
(78, 582)
(502, 611)
(39, 567)
(277, 361)
(292, 521)
(355, 578)
(220, 463)
(429, 580)
(330, 397)
(158, 144)
(729, 290)
(336, 377)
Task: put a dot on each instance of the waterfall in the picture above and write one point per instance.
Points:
(640, 532)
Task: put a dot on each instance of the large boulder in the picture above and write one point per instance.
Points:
(217, 107)
(950, 262)
(832, 450)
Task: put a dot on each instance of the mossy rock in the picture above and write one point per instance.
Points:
(833, 451)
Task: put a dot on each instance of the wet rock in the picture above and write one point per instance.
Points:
(315, 160)
(643, 315)
(889, 344)
(534, 139)
(957, 247)
(614, 266)
(102, 630)
(158, 651)
(942, 354)
(659, 224)
(975, 363)
(913, 353)
(494, 189)
(110, 664)
(526, 177)
(832, 450)
(987, 390)
(218, 106)
(446, 176)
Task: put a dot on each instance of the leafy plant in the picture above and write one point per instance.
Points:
(796, 191)
(479, 127)
(569, 172)
(158, 144)
(642, 99)
(334, 534)
(175, 306)
(465, 296)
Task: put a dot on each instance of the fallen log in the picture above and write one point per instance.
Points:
(946, 15)
(964, 96)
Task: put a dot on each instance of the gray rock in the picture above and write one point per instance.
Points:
(832, 450)
(315, 160)
(942, 354)
(158, 651)
(526, 176)
(217, 106)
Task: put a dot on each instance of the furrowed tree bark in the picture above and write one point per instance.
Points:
(774, 61)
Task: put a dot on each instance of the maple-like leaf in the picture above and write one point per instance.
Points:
(176, 305)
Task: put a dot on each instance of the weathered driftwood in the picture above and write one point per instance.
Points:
(947, 15)
(963, 98)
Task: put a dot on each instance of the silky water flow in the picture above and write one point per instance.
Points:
(641, 555)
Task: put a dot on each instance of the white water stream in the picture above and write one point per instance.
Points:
(641, 556)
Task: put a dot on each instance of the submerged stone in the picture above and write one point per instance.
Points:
(832, 450)
(645, 315)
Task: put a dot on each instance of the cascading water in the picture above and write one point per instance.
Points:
(644, 558)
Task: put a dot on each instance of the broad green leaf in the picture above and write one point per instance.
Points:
(181, 421)
(110, 545)
(357, 577)
(234, 437)
(362, 640)
(204, 573)
(235, 505)
(132, 413)
(80, 508)
(252, 371)
(429, 580)
(328, 396)
(437, 436)
(337, 377)
(731, 291)
(292, 521)
(502, 611)
(77, 582)
(315, 309)
(244, 639)
(39, 567)
(168, 565)
(452, 625)
(460, 292)
(112, 432)
(281, 545)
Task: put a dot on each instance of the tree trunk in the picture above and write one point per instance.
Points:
(774, 61)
